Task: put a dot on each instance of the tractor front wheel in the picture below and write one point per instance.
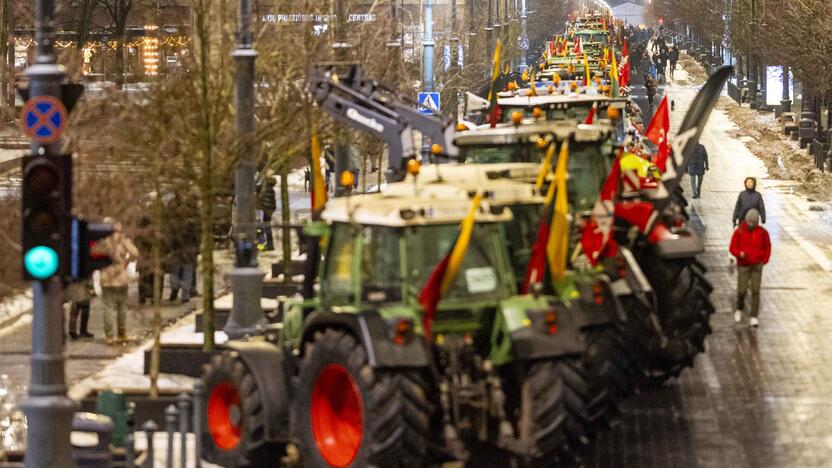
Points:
(351, 415)
(235, 429)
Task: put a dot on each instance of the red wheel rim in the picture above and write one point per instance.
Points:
(224, 415)
(337, 415)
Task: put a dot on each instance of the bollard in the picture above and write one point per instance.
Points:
(184, 404)
(149, 428)
(89, 454)
(171, 415)
(130, 450)
(198, 402)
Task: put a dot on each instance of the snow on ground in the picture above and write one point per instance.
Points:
(126, 373)
(763, 135)
(13, 325)
(12, 308)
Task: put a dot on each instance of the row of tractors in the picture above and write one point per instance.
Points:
(491, 304)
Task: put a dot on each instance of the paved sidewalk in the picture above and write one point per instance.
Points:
(756, 397)
(84, 356)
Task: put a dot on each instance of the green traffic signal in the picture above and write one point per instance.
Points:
(41, 262)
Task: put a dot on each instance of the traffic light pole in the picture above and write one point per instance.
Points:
(47, 407)
(246, 278)
(341, 49)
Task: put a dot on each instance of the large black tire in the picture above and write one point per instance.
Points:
(685, 309)
(235, 427)
(552, 418)
(615, 361)
(391, 420)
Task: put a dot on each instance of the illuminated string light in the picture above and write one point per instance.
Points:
(150, 50)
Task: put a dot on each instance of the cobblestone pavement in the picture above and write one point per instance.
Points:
(756, 397)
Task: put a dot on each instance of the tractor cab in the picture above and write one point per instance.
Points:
(590, 149)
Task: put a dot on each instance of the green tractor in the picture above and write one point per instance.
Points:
(352, 379)
(618, 343)
(666, 290)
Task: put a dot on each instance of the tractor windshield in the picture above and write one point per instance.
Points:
(521, 233)
(482, 274)
(492, 154)
(377, 276)
(588, 169)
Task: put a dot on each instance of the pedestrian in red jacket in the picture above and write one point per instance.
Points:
(751, 246)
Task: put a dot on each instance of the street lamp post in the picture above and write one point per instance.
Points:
(427, 66)
(524, 38)
(498, 27)
(341, 47)
(428, 46)
(47, 407)
(246, 278)
(489, 38)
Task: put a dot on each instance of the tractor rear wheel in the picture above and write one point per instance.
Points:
(348, 414)
(685, 309)
(611, 359)
(235, 427)
(552, 414)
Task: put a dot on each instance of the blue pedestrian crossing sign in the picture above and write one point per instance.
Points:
(429, 103)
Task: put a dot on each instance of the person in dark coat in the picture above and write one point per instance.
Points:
(674, 58)
(748, 199)
(267, 201)
(696, 168)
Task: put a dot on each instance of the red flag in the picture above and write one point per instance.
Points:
(577, 49)
(624, 66)
(432, 291)
(657, 132)
(596, 241)
(624, 72)
(637, 213)
(591, 117)
(537, 261)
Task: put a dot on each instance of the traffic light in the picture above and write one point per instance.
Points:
(47, 200)
(86, 255)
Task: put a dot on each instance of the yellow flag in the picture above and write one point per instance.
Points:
(495, 73)
(461, 245)
(558, 245)
(318, 188)
(506, 70)
(587, 78)
(532, 84)
(546, 166)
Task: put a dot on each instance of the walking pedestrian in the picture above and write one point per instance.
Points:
(79, 295)
(751, 246)
(267, 202)
(697, 167)
(113, 281)
(144, 267)
(183, 250)
(748, 199)
(674, 59)
(650, 86)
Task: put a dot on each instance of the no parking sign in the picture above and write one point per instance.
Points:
(44, 119)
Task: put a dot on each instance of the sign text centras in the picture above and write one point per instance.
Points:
(316, 18)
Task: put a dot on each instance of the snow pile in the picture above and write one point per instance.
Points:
(763, 135)
(691, 72)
